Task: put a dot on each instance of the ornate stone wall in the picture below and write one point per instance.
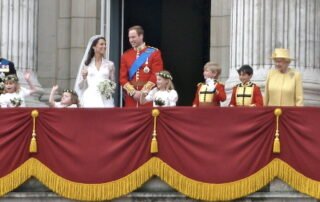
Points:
(259, 26)
(19, 32)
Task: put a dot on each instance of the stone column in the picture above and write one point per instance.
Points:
(259, 26)
(19, 32)
(63, 36)
(18, 39)
(85, 22)
(220, 35)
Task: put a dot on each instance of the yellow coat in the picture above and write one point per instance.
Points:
(283, 89)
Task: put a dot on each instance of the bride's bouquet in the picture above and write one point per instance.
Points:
(107, 88)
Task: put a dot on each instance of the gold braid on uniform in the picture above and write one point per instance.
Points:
(148, 86)
(129, 88)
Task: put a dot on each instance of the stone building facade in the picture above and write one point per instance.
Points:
(51, 42)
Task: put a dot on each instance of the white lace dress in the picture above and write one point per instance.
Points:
(9, 99)
(91, 96)
(169, 97)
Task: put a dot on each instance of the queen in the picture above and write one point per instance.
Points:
(283, 84)
(95, 79)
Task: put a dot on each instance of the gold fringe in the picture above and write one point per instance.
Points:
(92, 192)
(155, 166)
(212, 192)
(15, 178)
(298, 181)
(33, 144)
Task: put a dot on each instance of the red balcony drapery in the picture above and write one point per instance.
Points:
(205, 153)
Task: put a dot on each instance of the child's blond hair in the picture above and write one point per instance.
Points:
(14, 79)
(213, 67)
(166, 75)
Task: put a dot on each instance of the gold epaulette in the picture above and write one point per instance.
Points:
(199, 84)
(152, 47)
(129, 88)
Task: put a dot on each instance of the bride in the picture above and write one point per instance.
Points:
(93, 70)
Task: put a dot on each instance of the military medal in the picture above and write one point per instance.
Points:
(146, 69)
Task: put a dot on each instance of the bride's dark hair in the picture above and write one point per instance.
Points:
(91, 51)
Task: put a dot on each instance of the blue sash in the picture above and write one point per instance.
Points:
(4, 62)
(139, 62)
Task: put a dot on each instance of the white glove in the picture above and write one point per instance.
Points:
(210, 84)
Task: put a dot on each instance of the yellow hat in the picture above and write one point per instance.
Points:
(281, 53)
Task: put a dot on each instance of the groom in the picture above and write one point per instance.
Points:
(6, 68)
(139, 66)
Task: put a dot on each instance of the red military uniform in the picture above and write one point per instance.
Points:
(204, 97)
(246, 95)
(145, 77)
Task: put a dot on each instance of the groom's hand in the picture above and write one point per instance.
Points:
(137, 96)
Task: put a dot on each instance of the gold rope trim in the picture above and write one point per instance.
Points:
(276, 142)
(154, 143)
(33, 144)
(155, 166)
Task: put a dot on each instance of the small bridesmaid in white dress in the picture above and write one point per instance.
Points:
(164, 94)
(14, 95)
(94, 70)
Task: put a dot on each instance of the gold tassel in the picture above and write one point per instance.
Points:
(276, 145)
(154, 145)
(276, 142)
(33, 144)
(154, 142)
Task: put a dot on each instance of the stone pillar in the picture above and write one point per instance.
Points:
(19, 32)
(259, 26)
(85, 22)
(220, 35)
(63, 36)
(18, 39)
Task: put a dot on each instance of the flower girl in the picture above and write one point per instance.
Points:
(14, 95)
(164, 94)
(69, 99)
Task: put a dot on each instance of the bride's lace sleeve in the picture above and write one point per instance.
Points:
(83, 83)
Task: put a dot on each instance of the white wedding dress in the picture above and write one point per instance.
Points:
(91, 96)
